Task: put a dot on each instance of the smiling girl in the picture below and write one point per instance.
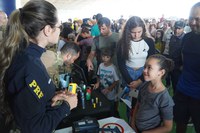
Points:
(154, 109)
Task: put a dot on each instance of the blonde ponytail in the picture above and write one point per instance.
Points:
(14, 36)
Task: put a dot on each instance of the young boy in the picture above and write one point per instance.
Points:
(108, 79)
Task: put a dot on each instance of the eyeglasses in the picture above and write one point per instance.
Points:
(60, 27)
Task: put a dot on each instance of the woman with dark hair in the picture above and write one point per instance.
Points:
(27, 92)
(133, 49)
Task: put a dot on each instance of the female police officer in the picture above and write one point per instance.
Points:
(25, 84)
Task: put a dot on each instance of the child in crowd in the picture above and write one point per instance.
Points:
(158, 41)
(154, 109)
(108, 79)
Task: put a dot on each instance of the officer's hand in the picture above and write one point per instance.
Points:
(72, 100)
(60, 91)
(58, 98)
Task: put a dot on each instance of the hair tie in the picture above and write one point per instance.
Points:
(20, 14)
(20, 10)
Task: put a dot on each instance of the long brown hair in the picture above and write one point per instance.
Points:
(24, 24)
(124, 42)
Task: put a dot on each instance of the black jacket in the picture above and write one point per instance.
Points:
(175, 49)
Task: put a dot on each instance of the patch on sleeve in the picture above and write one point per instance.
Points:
(34, 87)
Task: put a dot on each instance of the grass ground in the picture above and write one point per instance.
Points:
(122, 113)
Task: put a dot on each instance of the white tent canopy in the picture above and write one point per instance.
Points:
(115, 8)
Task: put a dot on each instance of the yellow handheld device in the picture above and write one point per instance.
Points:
(72, 88)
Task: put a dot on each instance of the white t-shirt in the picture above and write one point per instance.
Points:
(107, 76)
(137, 54)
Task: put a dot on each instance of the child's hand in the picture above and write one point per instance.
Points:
(96, 86)
(105, 91)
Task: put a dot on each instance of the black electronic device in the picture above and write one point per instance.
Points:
(86, 125)
(78, 74)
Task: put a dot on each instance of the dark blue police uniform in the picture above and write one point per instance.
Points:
(30, 90)
(175, 49)
(187, 96)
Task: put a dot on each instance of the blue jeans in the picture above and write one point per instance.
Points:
(135, 74)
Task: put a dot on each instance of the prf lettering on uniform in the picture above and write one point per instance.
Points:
(36, 90)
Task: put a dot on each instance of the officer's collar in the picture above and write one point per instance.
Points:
(36, 50)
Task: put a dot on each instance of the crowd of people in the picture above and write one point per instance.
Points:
(149, 56)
